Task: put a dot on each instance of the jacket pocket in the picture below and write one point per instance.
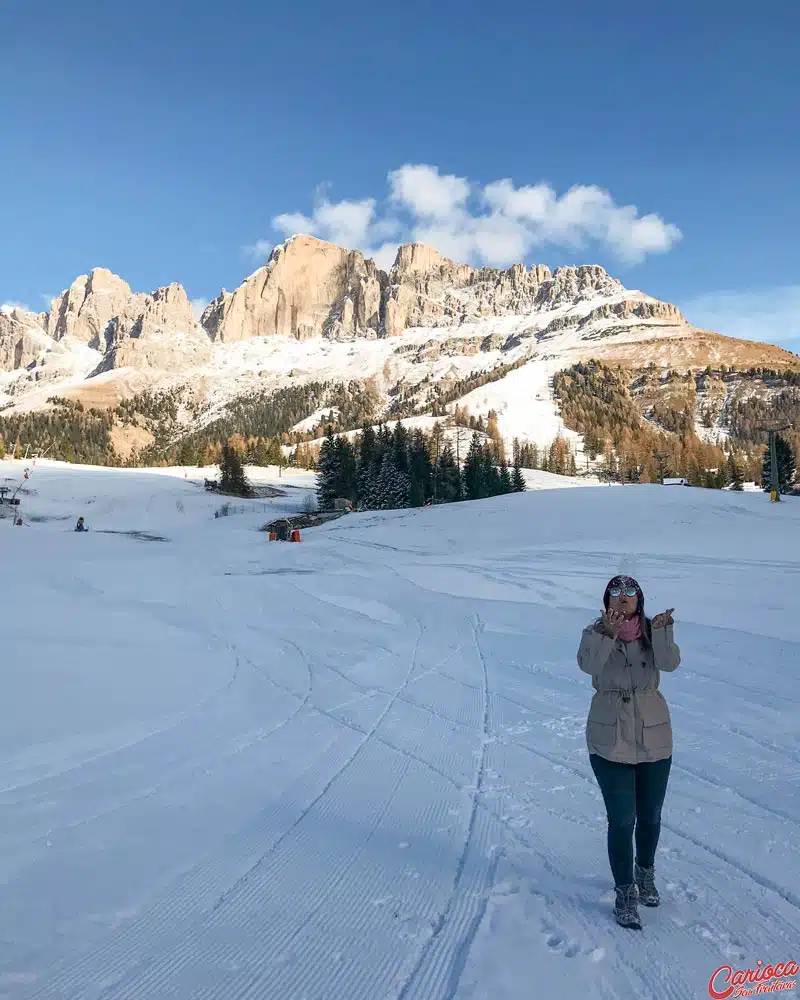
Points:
(600, 734)
(654, 709)
(658, 736)
(656, 722)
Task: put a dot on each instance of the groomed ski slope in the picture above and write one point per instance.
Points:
(354, 768)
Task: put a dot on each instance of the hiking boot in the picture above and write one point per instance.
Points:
(645, 882)
(625, 911)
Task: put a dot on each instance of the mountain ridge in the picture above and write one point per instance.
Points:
(316, 312)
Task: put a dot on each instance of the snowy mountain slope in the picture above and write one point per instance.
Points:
(355, 767)
(317, 312)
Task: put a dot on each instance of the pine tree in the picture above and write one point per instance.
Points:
(366, 447)
(273, 453)
(448, 476)
(392, 486)
(187, 453)
(368, 487)
(232, 475)
(735, 474)
(517, 480)
(786, 466)
(474, 475)
(383, 444)
(491, 475)
(506, 485)
(400, 447)
(328, 472)
(420, 470)
(347, 483)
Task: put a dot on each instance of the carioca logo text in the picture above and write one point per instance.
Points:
(735, 983)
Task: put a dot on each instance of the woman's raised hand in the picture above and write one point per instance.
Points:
(612, 622)
(664, 619)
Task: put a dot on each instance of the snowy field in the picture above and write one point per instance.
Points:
(355, 769)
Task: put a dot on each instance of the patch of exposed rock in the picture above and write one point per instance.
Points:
(426, 289)
(156, 331)
(84, 311)
(22, 338)
(309, 288)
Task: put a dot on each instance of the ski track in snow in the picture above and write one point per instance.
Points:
(373, 783)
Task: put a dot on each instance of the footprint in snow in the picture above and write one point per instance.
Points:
(556, 943)
(686, 891)
(730, 949)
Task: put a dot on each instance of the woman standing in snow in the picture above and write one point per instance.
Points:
(629, 735)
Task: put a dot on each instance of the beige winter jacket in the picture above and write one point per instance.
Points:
(629, 720)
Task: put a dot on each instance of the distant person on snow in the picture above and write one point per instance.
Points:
(80, 526)
(629, 735)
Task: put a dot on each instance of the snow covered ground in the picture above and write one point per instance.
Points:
(354, 768)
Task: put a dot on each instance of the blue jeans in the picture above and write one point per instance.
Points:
(633, 796)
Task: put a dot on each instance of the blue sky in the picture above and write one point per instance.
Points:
(175, 141)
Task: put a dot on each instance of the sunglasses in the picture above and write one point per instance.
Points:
(627, 591)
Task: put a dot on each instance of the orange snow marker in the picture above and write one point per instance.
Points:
(295, 536)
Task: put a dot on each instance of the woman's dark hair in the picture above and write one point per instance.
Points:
(628, 581)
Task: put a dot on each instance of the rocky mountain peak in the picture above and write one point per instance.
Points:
(308, 288)
(575, 284)
(85, 309)
(313, 288)
(416, 257)
(22, 337)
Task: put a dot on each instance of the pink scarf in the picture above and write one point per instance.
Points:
(631, 629)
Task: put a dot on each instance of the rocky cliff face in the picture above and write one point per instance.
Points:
(648, 309)
(100, 311)
(84, 311)
(309, 288)
(22, 338)
(155, 331)
(426, 289)
(314, 291)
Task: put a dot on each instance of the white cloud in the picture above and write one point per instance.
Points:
(259, 251)
(385, 255)
(425, 193)
(346, 223)
(768, 314)
(8, 307)
(496, 225)
(199, 307)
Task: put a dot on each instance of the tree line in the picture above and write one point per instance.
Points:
(259, 423)
(69, 433)
(382, 469)
(596, 401)
(639, 438)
